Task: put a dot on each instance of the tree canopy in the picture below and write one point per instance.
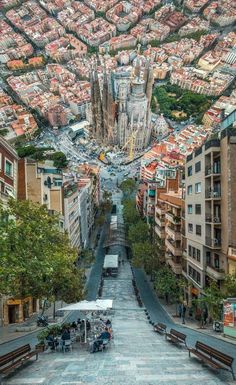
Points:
(36, 257)
(138, 232)
(172, 98)
(128, 186)
(130, 213)
(166, 283)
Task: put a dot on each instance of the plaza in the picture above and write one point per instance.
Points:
(136, 355)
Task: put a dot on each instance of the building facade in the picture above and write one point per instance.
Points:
(12, 310)
(210, 212)
(8, 170)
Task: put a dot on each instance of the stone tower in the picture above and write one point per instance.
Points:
(96, 106)
(122, 115)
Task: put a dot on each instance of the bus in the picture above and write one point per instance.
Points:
(111, 265)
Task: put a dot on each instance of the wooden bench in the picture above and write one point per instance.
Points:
(16, 358)
(176, 337)
(212, 357)
(160, 328)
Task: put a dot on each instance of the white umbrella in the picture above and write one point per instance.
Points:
(85, 306)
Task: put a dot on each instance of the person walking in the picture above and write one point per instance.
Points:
(184, 308)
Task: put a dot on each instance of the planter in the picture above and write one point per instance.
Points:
(40, 347)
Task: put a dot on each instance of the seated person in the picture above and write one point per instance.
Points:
(52, 342)
(74, 325)
(65, 335)
(104, 336)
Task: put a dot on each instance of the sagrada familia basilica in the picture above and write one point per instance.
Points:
(120, 106)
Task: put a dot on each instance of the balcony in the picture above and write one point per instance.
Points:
(176, 251)
(232, 252)
(160, 221)
(215, 273)
(4, 196)
(176, 267)
(160, 210)
(215, 194)
(172, 218)
(213, 219)
(213, 169)
(184, 254)
(173, 234)
(160, 232)
(213, 243)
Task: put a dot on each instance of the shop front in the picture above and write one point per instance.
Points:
(17, 310)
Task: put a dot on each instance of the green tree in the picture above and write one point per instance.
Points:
(130, 213)
(99, 221)
(128, 187)
(36, 258)
(86, 257)
(230, 285)
(213, 297)
(4, 131)
(138, 232)
(59, 159)
(106, 204)
(166, 283)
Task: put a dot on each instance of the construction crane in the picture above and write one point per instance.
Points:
(131, 140)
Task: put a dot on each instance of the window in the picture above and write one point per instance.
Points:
(198, 167)
(190, 171)
(189, 250)
(57, 183)
(198, 188)
(198, 255)
(208, 257)
(216, 261)
(194, 274)
(190, 190)
(190, 227)
(0, 161)
(198, 209)
(190, 209)
(198, 229)
(8, 168)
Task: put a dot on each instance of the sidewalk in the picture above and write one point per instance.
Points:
(9, 333)
(190, 322)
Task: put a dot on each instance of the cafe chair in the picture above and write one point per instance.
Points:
(67, 346)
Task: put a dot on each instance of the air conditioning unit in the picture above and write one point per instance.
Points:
(216, 241)
(216, 220)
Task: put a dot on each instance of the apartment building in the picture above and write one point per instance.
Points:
(167, 219)
(195, 219)
(12, 310)
(8, 170)
(168, 227)
(45, 184)
(210, 209)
